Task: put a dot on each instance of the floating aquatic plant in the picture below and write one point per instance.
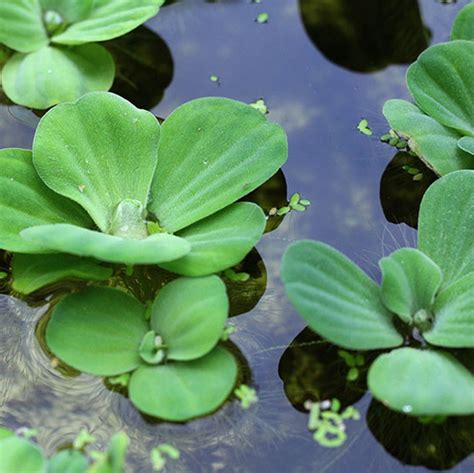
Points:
(440, 126)
(55, 56)
(104, 180)
(18, 454)
(177, 370)
(429, 290)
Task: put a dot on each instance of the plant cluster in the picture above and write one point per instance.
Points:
(52, 54)
(424, 304)
(439, 127)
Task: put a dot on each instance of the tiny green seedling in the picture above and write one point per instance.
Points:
(236, 277)
(363, 127)
(295, 203)
(246, 395)
(327, 422)
(262, 18)
(161, 453)
(261, 106)
(354, 363)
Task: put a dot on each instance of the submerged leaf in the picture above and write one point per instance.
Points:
(422, 382)
(336, 298)
(212, 152)
(64, 238)
(98, 152)
(32, 272)
(445, 225)
(179, 391)
(98, 331)
(54, 75)
(442, 83)
(189, 314)
(221, 240)
(454, 315)
(410, 281)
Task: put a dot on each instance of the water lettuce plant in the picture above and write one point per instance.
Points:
(428, 291)
(170, 350)
(440, 126)
(19, 453)
(105, 180)
(55, 56)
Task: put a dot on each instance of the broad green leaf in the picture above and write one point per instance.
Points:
(63, 238)
(190, 314)
(435, 144)
(463, 27)
(181, 390)
(445, 225)
(17, 455)
(336, 298)
(25, 201)
(454, 315)
(98, 152)
(442, 83)
(68, 461)
(410, 281)
(5, 433)
(21, 25)
(422, 382)
(71, 11)
(32, 272)
(213, 151)
(109, 19)
(466, 143)
(98, 331)
(221, 240)
(54, 75)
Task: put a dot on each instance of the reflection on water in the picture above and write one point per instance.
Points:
(366, 35)
(331, 164)
(400, 191)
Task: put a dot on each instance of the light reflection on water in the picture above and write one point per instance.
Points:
(339, 170)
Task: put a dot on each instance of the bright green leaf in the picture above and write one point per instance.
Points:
(336, 298)
(410, 281)
(435, 144)
(5, 433)
(25, 201)
(442, 83)
(463, 27)
(63, 238)
(180, 391)
(32, 272)
(109, 19)
(54, 75)
(190, 314)
(98, 152)
(213, 151)
(422, 382)
(18, 455)
(68, 461)
(454, 315)
(98, 331)
(466, 143)
(221, 240)
(71, 11)
(21, 25)
(445, 225)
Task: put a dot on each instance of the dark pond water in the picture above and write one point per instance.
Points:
(321, 66)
